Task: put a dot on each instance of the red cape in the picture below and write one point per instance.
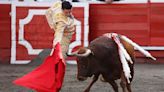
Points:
(48, 77)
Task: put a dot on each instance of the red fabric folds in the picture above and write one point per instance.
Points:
(48, 77)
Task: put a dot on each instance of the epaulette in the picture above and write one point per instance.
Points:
(57, 4)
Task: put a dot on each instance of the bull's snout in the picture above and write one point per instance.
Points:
(81, 78)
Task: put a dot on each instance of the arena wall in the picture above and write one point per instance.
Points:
(24, 32)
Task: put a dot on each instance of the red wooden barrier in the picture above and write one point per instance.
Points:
(140, 22)
(30, 34)
(157, 24)
(130, 20)
(5, 33)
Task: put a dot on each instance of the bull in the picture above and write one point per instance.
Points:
(101, 57)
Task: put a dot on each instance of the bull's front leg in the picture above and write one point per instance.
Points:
(95, 78)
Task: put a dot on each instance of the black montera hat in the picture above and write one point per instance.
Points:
(66, 5)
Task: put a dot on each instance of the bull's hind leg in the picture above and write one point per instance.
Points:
(129, 87)
(132, 74)
(111, 82)
(95, 78)
(124, 84)
(114, 85)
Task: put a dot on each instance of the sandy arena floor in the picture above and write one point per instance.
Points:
(148, 78)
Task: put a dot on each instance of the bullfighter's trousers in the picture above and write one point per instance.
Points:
(66, 39)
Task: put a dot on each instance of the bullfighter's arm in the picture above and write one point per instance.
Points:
(60, 26)
(48, 15)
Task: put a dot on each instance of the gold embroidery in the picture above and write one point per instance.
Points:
(57, 4)
(63, 26)
(60, 17)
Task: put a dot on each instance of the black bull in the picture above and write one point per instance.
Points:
(101, 57)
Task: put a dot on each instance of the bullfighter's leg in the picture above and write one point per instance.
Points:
(95, 78)
(65, 45)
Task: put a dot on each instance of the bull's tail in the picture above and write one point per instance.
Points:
(146, 53)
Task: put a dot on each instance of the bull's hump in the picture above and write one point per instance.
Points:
(103, 46)
(103, 41)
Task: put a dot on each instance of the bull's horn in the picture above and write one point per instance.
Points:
(72, 54)
(83, 52)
